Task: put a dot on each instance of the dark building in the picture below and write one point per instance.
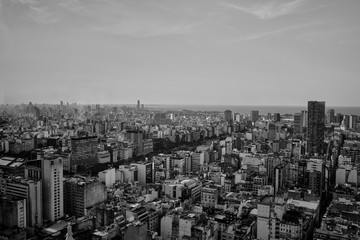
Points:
(136, 137)
(138, 105)
(297, 123)
(160, 118)
(83, 153)
(254, 115)
(80, 194)
(316, 127)
(277, 117)
(339, 117)
(12, 212)
(228, 116)
(330, 116)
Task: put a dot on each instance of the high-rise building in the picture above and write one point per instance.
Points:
(197, 161)
(338, 118)
(277, 117)
(353, 119)
(228, 116)
(83, 153)
(270, 213)
(80, 194)
(254, 115)
(330, 116)
(272, 131)
(145, 172)
(12, 212)
(53, 197)
(316, 128)
(315, 175)
(281, 178)
(138, 106)
(237, 117)
(304, 122)
(31, 191)
(136, 137)
(297, 123)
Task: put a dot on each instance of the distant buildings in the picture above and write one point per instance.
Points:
(237, 177)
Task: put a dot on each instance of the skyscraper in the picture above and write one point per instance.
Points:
(330, 116)
(297, 123)
(53, 197)
(316, 127)
(83, 152)
(136, 137)
(138, 106)
(254, 115)
(277, 117)
(228, 116)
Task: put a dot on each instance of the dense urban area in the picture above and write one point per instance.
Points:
(71, 171)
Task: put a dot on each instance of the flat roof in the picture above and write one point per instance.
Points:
(4, 162)
(305, 204)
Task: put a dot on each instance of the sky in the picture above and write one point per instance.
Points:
(225, 52)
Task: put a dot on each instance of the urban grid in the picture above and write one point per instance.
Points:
(71, 171)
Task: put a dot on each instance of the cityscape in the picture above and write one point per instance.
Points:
(179, 120)
(72, 171)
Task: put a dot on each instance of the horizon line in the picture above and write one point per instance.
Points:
(179, 104)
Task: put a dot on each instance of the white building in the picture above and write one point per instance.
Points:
(107, 177)
(270, 212)
(145, 172)
(53, 195)
(127, 173)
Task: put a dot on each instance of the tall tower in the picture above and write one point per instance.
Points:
(228, 116)
(136, 137)
(330, 116)
(254, 115)
(138, 105)
(53, 196)
(297, 123)
(316, 127)
(83, 153)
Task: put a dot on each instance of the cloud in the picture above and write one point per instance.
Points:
(269, 9)
(41, 15)
(143, 28)
(346, 36)
(3, 28)
(273, 32)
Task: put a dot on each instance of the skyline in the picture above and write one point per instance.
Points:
(181, 52)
